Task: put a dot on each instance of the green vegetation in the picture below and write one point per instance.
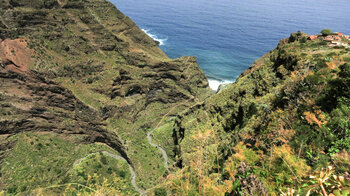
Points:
(284, 118)
(45, 162)
(160, 192)
(99, 84)
(99, 170)
(163, 137)
(326, 32)
(97, 77)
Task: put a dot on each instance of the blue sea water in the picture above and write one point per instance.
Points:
(227, 36)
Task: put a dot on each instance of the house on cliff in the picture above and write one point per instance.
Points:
(329, 38)
(313, 37)
(337, 39)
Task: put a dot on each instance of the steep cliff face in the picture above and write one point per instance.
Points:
(284, 118)
(82, 71)
(80, 81)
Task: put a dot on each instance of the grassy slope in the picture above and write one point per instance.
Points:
(113, 68)
(283, 117)
(46, 160)
(278, 118)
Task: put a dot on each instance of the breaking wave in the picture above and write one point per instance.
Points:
(155, 37)
(214, 83)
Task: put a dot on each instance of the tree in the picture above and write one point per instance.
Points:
(326, 32)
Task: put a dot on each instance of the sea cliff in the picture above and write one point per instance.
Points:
(90, 105)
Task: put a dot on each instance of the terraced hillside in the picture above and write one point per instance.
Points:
(90, 105)
(79, 77)
(284, 119)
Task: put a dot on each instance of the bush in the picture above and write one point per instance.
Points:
(303, 40)
(339, 47)
(121, 173)
(160, 192)
(103, 160)
(90, 80)
(39, 146)
(326, 32)
(12, 189)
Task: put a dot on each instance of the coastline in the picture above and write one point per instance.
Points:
(214, 84)
(155, 37)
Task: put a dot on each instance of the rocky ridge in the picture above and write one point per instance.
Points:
(80, 82)
(83, 71)
(285, 118)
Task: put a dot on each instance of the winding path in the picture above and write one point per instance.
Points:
(149, 138)
(165, 155)
(149, 134)
(117, 157)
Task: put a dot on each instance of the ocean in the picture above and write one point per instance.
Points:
(227, 36)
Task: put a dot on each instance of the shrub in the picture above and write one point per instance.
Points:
(39, 146)
(303, 40)
(12, 189)
(90, 80)
(326, 32)
(103, 159)
(121, 173)
(160, 192)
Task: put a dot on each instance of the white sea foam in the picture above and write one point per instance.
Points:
(155, 37)
(214, 84)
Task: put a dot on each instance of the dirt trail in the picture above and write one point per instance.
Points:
(149, 138)
(117, 157)
(86, 28)
(188, 67)
(164, 154)
(149, 134)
